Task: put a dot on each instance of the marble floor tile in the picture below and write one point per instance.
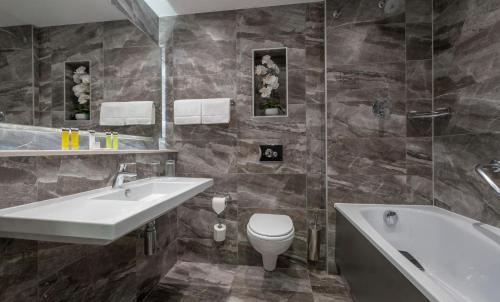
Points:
(201, 274)
(256, 295)
(193, 282)
(322, 297)
(187, 293)
(285, 279)
(329, 288)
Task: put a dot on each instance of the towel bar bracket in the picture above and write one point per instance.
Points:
(494, 167)
(431, 114)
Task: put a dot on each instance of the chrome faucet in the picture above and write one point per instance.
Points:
(121, 175)
(390, 218)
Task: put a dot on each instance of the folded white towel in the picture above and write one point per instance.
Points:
(215, 111)
(187, 120)
(127, 113)
(187, 112)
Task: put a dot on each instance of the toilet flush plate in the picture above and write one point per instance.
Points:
(271, 153)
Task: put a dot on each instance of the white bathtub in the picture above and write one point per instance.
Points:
(461, 257)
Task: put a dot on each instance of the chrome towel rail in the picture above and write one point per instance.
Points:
(436, 113)
(494, 166)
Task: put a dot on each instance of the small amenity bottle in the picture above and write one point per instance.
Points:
(91, 139)
(109, 141)
(75, 138)
(65, 139)
(116, 141)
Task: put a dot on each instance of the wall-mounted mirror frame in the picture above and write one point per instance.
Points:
(45, 110)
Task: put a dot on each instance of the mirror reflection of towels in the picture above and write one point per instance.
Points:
(127, 113)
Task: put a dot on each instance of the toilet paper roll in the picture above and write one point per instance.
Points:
(218, 204)
(219, 232)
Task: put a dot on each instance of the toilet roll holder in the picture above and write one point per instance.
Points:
(227, 198)
(220, 228)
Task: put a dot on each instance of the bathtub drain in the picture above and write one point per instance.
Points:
(412, 260)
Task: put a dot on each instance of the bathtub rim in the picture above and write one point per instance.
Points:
(428, 287)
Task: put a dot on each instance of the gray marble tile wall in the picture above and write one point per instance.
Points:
(16, 74)
(139, 13)
(385, 55)
(44, 271)
(210, 55)
(466, 78)
(125, 66)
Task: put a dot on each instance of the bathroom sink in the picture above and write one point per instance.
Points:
(147, 191)
(99, 216)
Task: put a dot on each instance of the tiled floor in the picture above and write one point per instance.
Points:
(188, 281)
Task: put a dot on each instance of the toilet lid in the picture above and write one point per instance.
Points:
(271, 225)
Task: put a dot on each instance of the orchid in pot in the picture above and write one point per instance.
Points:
(267, 76)
(82, 91)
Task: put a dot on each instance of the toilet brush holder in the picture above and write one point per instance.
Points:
(314, 240)
(314, 244)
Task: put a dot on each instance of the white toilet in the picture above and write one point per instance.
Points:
(271, 235)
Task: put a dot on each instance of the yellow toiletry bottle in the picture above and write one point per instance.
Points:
(65, 139)
(109, 141)
(116, 142)
(75, 138)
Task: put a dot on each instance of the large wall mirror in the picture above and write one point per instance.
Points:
(61, 60)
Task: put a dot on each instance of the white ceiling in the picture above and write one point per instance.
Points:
(181, 7)
(56, 12)
(43, 13)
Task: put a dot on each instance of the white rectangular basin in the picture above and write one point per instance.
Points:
(99, 216)
(146, 191)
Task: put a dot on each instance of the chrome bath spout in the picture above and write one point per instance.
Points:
(494, 166)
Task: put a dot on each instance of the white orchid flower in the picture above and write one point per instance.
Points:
(265, 91)
(81, 70)
(80, 89)
(84, 99)
(266, 60)
(85, 78)
(270, 80)
(76, 78)
(260, 70)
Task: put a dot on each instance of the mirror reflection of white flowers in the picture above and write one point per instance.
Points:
(82, 92)
(267, 76)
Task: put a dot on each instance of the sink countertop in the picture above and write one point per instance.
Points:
(93, 218)
(18, 153)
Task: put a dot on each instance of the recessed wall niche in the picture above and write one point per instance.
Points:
(77, 91)
(270, 82)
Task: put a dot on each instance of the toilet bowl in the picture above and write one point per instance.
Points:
(270, 235)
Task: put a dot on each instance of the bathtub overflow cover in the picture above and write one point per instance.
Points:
(390, 218)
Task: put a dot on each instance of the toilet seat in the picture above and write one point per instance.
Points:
(270, 235)
(271, 227)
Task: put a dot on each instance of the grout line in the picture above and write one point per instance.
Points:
(325, 172)
(432, 106)
(33, 76)
(407, 187)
